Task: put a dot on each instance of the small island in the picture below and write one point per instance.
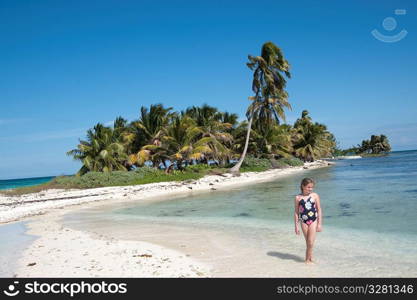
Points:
(166, 145)
(376, 146)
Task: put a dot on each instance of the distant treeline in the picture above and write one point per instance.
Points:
(378, 144)
(163, 138)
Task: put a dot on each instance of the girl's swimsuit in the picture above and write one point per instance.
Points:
(307, 210)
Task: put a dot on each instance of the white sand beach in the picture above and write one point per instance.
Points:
(64, 252)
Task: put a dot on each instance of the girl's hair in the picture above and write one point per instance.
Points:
(304, 182)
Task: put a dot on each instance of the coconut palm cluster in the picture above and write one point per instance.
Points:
(164, 138)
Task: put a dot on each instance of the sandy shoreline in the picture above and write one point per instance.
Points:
(65, 252)
(14, 208)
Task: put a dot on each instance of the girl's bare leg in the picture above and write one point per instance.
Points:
(304, 227)
(311, 237)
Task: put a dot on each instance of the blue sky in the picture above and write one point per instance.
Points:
(66, 65)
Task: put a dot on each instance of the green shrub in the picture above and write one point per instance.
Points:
(278, 164)
(97, 179)
(147, 171)
(144, 175)
(175, 175)
(141, 175)
(293, 161)
(251, 161)
(198, 168)
(253, 164)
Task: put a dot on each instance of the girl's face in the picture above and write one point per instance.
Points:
(307, 189)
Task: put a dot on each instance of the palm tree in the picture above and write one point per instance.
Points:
(203, 115)
(180, 139)
(376, 145)
(380, 144)
(311, 141)
(239, 140)
(126, 135)
(102, 152)
(149, 130)
(270, 70)
(278, 141)
(215, 134)
(304, 120)
(155, 153)
(272, 141)
(386, 147)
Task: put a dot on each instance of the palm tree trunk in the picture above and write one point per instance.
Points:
(236, 167)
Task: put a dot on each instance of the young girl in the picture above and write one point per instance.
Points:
(308, 212)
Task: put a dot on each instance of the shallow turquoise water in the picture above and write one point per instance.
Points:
(13, 239)
(369, 226)
(374, 194)
(369, 208)
(21, 182)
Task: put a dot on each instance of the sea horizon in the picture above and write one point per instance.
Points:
(32, 181)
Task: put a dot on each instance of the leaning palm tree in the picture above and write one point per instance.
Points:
(270, 70)
(101, 152)
(239, 140)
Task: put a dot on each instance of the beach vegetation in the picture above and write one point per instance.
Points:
(311, 140)
(270, 71)
(377, 145)
(200, 138)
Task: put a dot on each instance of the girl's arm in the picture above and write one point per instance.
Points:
(319, 213)
(297, 230)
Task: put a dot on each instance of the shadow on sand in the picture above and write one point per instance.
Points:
(285, 256)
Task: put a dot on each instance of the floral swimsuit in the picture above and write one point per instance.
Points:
(307, 210)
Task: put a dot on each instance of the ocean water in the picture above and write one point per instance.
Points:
(369, 207)
(378, 194)
(11, 248)
(15, 183)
